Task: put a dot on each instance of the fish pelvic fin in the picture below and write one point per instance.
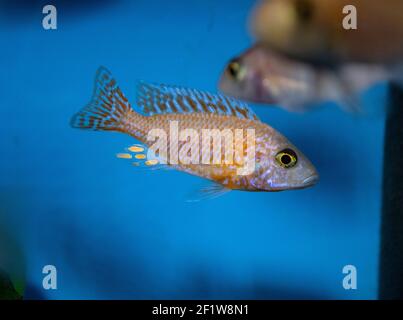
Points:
(108, 107)
(211, 190)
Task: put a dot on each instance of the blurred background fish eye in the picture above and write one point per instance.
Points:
(114, 232)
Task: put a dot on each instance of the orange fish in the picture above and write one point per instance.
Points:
(313, 30)
(181, 126)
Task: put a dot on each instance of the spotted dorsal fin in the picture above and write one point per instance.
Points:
(161, 99)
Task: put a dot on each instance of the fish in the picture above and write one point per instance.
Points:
(264, 76)
(315, 31)
(176, 111)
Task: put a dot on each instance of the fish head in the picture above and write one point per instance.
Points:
(261, 75)
(281, 166)
(244, 78)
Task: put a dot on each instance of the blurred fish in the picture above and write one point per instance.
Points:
(312, 30)
(279, 165)
(262, 75)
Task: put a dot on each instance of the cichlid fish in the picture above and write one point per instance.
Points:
(278, 165)
(315, 30)
(262, 75)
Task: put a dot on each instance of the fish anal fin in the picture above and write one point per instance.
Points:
(141, 157)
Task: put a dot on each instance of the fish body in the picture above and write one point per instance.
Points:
(262, 75)
(314, 30)
(278, 165)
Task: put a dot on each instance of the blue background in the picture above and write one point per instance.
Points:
(115, 232)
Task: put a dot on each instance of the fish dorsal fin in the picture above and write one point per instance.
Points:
(163, 99)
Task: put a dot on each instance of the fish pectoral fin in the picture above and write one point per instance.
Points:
(345, 98)
(348, 92)
(210, 191)
(352, 104)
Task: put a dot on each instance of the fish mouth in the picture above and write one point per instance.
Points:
(306, 183)
(311, 180)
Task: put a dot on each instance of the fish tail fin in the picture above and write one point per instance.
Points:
(108, 107)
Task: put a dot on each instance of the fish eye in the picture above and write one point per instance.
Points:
(287, 158)
(304, 9)
(235, 69)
